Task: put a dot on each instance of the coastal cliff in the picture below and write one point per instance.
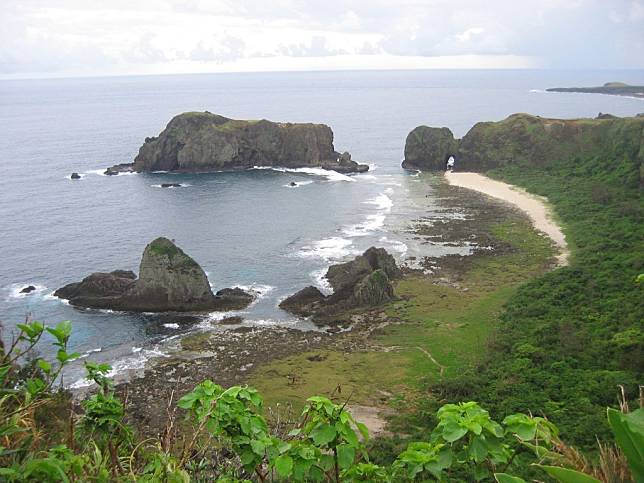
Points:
(523, 139)
(169, 280)
(202, 141)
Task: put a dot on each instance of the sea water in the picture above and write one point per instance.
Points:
(251, 228)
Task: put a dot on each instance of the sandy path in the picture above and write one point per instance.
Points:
(535, 207)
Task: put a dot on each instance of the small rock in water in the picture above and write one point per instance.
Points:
(28, 289)
(110, 172)
(231, 320)
(292, 183)
(75, 176)
(170, 185)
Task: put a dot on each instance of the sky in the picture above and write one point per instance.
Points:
(58, 38)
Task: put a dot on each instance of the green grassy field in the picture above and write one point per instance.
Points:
(443, 332)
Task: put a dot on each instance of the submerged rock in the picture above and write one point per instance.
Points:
(28, 289)
(364, 281)
(202, 141)
(169, 280)
(118, 168)
(170, 185)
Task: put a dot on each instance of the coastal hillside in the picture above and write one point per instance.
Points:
(567, 340)
(524, 140)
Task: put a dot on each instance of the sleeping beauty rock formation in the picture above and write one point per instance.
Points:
(202, 141)
(364, 281)
(526, 139)
(169, 280)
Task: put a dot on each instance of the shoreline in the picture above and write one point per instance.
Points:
(536, 207)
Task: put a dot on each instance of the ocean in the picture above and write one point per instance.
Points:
(251, 228)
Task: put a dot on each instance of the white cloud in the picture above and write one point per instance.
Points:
(469, 33)
(124, 36)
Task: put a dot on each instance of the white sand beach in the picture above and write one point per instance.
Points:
(536, 207)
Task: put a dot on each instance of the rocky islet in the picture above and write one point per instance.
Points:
(202, 141)
(169, 281)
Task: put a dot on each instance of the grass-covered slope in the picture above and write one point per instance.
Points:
(568, 338)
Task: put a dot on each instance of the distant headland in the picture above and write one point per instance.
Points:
(202, 141)
(612, 88)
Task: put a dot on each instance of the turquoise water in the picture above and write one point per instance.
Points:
(245, 228)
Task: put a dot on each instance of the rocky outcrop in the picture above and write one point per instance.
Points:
(610, 88)
(362, 282)
(169, 280)
(75, 176)
(202, 141)
(523, 139)
(428, 148)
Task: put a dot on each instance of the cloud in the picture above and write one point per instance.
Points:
(94, 37)
(225, 49)
(469, 33)
(316, 48)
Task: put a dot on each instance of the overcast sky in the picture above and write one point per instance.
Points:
(86, 37)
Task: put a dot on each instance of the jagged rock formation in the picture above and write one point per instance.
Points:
(429, 148)
(526, 139)
(202, 141)
(363, 282)
(169, 280)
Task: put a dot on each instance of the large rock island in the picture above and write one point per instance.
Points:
(362, 282)
(169, 280)
(202, 141)
(523, 139)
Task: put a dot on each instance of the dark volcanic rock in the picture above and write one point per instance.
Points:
(75, 176)
(93, 289)
(374, 289)
(202, 141)
(170, 185)
(234, 320)
(169, 280)
(233, 299)
(429, 148)
(364, 281)
(28, 289)
(303, 303)
(119, 168)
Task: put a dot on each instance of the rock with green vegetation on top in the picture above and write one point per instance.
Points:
(523, 139)
(610, 88)
(169, 281)
(202, 141)
(429, 148)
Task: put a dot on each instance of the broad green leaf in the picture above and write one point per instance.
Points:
(284, 465)
(258, 447)
(452, 431)
(505, 478)
(478, 449)
(44, 365)
(323, 434)
(346, 455)
(565, 475)
(629, 433)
